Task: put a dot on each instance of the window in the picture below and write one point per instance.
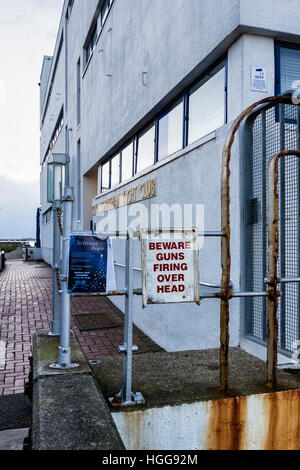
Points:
(288, 68)
(89, 49)
(207, 104)
(171, 131)
(115, 171)
(146, 146)
(78, 94)
(78, 181)
(287, 75)
(105, 184)
(55, 134)
(198, 111)
(104, 11)
(127, 162)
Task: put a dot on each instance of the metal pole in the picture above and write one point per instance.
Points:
(126, 397)
(127, 361)
(64, 350)
(56, 303)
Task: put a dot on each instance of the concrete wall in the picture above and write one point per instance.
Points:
(256, 422)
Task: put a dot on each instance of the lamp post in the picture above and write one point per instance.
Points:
(55, 184)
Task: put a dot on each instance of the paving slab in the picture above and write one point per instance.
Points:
(26, 307)
(13, 439)
(15, 412)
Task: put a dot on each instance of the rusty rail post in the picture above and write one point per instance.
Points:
(225, 227)
(273, 252)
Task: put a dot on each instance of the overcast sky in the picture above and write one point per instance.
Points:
(28, 31)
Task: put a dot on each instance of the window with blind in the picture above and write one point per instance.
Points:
(288, 68)
(207, 104)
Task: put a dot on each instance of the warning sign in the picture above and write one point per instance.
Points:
(170, 267)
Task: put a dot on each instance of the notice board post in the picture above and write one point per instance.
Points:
(64, 350)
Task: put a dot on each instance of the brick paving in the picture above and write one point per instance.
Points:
(26, 307)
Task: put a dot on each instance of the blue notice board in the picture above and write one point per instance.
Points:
(87, 264)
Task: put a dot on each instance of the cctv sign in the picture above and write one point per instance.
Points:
(170, 267)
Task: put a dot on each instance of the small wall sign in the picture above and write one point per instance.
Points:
(259, 79)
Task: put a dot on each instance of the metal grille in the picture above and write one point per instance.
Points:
(267, 133)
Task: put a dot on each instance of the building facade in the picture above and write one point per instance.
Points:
(141, 96)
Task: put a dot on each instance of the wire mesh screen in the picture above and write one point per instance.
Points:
(269, 132)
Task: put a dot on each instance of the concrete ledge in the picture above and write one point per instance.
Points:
(185, 409)
(69, 411)
(45, 353)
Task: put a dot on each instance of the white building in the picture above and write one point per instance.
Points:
(143, 90)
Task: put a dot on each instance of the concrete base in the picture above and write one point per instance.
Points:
(185, 409)
(69, 411)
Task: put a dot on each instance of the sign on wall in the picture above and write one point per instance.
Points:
(259, 79)
(137, 193)
(91, 268)
(170, 267)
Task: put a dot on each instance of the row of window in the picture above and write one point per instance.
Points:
(196, 113)
(89, 48)
(55, 135)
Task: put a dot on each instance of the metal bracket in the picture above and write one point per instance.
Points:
(123, 349)
(64, 366)
(136, 399)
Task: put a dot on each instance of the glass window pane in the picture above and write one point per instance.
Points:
(115, 171)
(171, 131)
(50, 185)
(146, 143)
(104, 11)
(105, 177)
(207, 105)
(289, 68)
(127, 162)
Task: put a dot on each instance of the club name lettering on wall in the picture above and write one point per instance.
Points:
(137, 193)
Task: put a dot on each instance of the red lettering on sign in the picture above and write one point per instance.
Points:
(170, 246)
(170, 289)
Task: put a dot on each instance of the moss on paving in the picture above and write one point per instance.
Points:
(185, 377)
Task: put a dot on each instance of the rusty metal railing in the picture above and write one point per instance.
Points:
(226, 293)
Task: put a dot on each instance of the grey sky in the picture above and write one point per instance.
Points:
(27, 32)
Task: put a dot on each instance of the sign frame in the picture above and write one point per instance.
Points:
(145, 235)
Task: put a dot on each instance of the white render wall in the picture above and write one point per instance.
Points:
(173, 41)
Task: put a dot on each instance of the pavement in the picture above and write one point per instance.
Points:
(15, 255)
(26, 307)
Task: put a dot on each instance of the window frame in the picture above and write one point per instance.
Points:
(214, 66)
(143, 131)
(128, 143)
(278, 46)
(103, 191)
(181, 98)
(116, 155)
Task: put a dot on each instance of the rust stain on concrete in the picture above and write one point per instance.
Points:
(229, 427)
(283, 411)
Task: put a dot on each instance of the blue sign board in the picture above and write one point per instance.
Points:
(87, 264)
